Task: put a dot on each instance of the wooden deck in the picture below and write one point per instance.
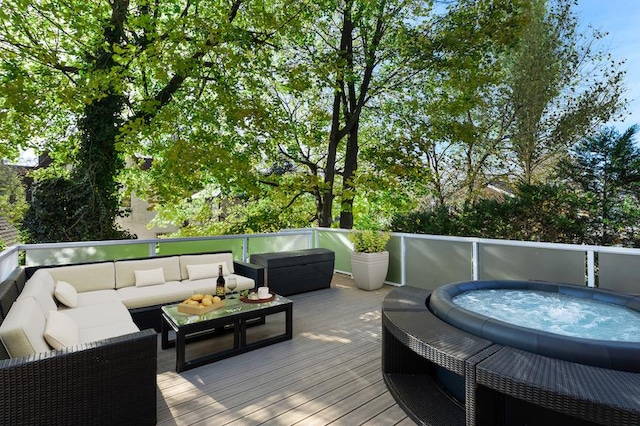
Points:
(329, 373)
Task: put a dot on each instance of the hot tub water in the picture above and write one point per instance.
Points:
(555, 313)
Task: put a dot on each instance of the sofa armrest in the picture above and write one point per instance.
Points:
(112, 381)
(250, 270)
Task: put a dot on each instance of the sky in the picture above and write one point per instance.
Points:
(621, 20)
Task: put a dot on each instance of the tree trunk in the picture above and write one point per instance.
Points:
(348, 186)
(99, 162)
(326, 194)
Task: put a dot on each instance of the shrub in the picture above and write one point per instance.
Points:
(369, 241)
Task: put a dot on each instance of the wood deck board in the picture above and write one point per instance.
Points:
(329, 373)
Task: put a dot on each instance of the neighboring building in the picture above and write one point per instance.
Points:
(137, 222)
(140, 215)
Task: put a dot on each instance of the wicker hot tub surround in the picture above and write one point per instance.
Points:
(501, 385)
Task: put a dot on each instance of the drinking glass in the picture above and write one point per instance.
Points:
(232, 284)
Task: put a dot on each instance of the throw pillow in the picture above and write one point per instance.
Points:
(206, 270)
(149, 277)
(61, 331)
(66, 294)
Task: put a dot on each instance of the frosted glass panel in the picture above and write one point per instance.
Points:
(528, 263)
(394, 246)
(431, 264)
(8, 263)
(167, 248)
(619, 272)
(283, 242)
(63, 256)
(339, 243)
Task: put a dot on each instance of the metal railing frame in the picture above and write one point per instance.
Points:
(9, 258)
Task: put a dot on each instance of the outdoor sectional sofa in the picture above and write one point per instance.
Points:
(77, 341)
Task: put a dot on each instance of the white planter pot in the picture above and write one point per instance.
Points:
(369, 269)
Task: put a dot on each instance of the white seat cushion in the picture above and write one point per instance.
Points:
(97, 297)
(137, 297)
(107, 331)
(97, 315)
(208, 285)
(61, 331)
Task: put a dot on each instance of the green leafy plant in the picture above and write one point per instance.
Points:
(369, 241)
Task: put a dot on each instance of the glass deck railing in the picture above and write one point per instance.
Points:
(426, 261)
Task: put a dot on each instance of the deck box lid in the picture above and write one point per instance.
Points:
(291, 258)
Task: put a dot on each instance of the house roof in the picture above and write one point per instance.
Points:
(8, 233)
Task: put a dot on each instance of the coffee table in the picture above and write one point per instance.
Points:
(234, 315)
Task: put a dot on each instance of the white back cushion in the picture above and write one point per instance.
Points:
(208, 270)
(93, 276)
(201, 259)
(40, 287)
(22, 331)
(125, 269)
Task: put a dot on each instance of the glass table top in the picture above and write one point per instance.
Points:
(233, 306)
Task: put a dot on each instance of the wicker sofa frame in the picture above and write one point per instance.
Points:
(498, 381)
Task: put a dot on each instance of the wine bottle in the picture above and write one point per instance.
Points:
(220, 289)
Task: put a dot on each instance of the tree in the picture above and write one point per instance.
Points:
(324, 83)
(118, 73)
(561, 86)
(505, 103)
(449, 122)
(605, 167)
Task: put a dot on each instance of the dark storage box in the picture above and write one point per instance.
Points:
(291, 272)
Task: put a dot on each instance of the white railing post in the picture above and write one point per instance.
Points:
(403, 261)
(152, 249)
(474, 261)
(591, 269)
(245, 248)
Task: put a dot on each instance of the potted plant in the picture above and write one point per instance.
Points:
(369, 258)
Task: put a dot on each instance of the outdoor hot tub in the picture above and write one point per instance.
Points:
(559, 318)
(446, 364)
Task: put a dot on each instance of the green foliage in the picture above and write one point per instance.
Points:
(438, 220)
(59, 213)
(369, 241)
(542, 212)
(109, 80)
(12, 195)
(273, 114)
(561, 85)
(606, 169)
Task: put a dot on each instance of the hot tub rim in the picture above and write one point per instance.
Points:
(614, 355)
